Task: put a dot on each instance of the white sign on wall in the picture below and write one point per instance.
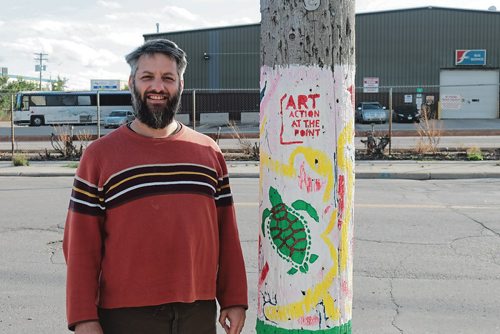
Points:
(451, 102)
(408, 98)
(370, 84)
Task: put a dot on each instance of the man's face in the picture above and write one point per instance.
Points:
(156, 89)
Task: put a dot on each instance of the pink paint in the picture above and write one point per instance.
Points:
(308, 183)
(309, 320)
(341, 192)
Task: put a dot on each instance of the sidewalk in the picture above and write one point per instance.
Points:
(413, 170)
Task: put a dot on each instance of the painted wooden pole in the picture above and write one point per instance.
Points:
(307, 166)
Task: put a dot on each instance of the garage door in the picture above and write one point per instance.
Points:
(469, 94)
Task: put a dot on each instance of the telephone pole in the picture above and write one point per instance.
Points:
(307, 167)
(40, 58)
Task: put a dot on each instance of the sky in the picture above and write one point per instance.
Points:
(87, 39)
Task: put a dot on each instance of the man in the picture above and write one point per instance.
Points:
(151, 238)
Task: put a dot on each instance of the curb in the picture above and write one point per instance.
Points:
(422, 176)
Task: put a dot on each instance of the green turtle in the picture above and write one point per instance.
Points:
(288, 231)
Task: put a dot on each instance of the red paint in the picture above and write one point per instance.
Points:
(291, 103)
(352, 92)
(282, 142)
(303, 102)
(263, 274)
(309, 320)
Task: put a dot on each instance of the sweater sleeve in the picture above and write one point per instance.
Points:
(231, 277)
(82, 244)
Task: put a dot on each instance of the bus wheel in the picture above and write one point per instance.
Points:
(36, 121)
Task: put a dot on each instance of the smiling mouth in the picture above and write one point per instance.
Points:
(157, 97)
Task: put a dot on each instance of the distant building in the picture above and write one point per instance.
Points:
(426, 55)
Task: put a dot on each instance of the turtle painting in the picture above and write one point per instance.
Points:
(287, 229)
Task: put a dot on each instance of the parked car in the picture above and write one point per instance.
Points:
(406, 113)
(370, 112)
(117, 118)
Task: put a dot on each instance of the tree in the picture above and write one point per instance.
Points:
(59, 84)
(307, 166)
(11, 87)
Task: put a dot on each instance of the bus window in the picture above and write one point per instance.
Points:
(23, 104)
(55, 100)
(37, 101)
(69, 100)
(84, 100)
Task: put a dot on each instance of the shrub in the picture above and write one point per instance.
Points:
(474, 154)
(20, 160)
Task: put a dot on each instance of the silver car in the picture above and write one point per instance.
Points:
(117, 118)
(370, 112)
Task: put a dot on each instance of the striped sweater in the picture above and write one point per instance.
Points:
(151, 221)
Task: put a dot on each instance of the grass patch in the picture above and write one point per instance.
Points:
(474, 154)
(72, 165)
(20, 160)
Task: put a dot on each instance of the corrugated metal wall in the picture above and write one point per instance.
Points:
(401, 47)
(409, 47)
(233, 56)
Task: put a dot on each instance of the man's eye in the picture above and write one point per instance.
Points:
(168, 79)
(146, 77)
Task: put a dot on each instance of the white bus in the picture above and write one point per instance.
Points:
(41, 108)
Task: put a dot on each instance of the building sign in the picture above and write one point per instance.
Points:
(408, 98)
(470, 57)
(451, 102)
(370, 85)
(104, 84)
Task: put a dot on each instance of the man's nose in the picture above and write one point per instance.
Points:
(157, 85)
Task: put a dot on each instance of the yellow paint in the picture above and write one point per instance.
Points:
(315, 294)
(323, 167)
(347, 166)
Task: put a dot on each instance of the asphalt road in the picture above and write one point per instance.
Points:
(426, 257)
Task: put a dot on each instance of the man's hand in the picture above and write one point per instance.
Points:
(88, 327)
(236, 317)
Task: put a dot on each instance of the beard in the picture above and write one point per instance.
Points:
(155, 116)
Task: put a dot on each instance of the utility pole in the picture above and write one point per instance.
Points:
(306, 193)
(40, 58)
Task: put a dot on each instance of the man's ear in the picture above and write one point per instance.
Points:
(130, 80)
(182, 85)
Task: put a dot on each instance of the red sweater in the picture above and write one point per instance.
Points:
(151, 221)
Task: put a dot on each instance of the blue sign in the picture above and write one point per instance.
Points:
(470, 57)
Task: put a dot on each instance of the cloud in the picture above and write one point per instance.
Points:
(109, 4)
(180, 13)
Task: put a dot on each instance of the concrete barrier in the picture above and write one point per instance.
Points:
(183, 118)
(221, 118)
(250, 118)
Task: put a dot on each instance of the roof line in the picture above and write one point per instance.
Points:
(428, 7)
(203, 29)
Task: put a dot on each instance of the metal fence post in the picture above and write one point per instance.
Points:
(194, 109)
(390, 120)
(12, 126)
(98, 115)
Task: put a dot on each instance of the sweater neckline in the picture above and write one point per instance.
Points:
(137, 137)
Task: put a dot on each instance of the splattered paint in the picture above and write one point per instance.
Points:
(306, 199)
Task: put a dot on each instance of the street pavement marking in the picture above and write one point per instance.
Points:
(428, 206)
(492, 206)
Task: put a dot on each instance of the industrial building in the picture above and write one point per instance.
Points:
(426, 55)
